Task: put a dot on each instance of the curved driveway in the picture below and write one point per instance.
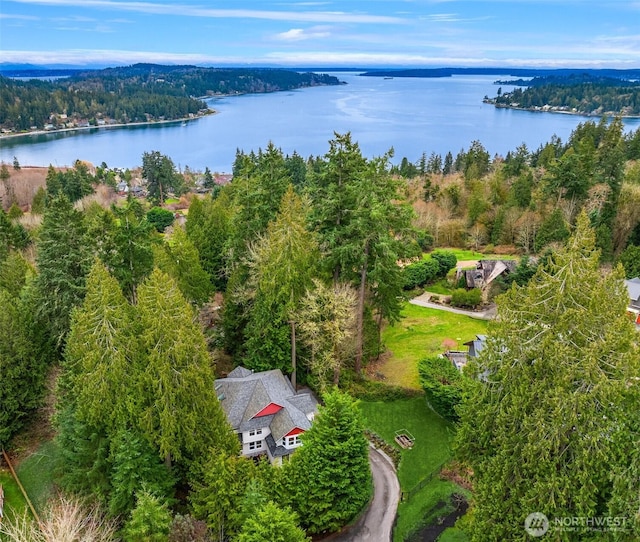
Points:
(376, 524)
(423, 301)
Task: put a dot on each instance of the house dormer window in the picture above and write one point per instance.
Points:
(255, 432)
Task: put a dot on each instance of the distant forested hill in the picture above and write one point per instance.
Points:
(513, 72)
(579, 93)
(138, 93)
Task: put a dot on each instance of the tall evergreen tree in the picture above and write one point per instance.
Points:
(362, 228)
(22, 369)
(161, 175)
(257, 193)
(63, 262)
(549, 423)
(282, 264)
(178, 257)
(209, 228)
(179, 411)
(99, 356)
(95, 391)
(333, 200)
(329, 475)
(133, 239)
(274, 524)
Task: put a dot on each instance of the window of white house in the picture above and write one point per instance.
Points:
(255, 445)
(256, 432)
(292, 441)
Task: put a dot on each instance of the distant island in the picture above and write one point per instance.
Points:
(513, 72)
(591, 92)
(53, 100)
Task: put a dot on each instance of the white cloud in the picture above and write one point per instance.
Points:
(196, 11)
(21, 17)
(75, 18)
(102, 56)
(298, 34)
(302, 58)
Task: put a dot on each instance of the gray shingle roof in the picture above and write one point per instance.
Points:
(486, 271)
(240, 372)
(244, 393)
(633, 286)
(476, 345)
(276, 450)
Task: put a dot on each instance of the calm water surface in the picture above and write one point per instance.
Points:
(409, 114)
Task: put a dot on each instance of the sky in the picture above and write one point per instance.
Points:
(348, 33)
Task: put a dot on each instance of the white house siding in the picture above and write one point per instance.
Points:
(291, 444)
(253, 441)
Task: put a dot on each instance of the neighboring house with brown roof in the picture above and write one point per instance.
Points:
(486, 272)
(266, 412)
(633, 287)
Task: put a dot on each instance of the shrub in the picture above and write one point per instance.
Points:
(383, 445)
(372, 390)
(425, 240)
(14, 211)
(442, 383)
(466, 298)
(188, 529)
(419, 273)
(446, 260)
(553, 229)
(413, 276)
(160, 218)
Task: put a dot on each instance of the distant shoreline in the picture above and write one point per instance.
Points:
(575, 113)
(117, 125)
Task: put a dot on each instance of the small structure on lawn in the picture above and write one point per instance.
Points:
(476, 345)
(404, 438)
(459, 358)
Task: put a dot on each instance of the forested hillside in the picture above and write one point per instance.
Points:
(137, 93)
(136, 318)
(578, 93)
(530, 198)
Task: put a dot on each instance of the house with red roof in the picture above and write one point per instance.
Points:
(266, 412)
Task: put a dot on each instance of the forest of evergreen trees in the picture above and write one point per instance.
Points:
(577, 93)
(137, 93)
(88, 292)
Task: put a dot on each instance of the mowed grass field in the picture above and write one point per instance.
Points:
(420, 333)
(432, 447)
(14, 503)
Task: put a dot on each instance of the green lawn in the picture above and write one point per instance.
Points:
(36, 474)
(433, 436)
(464, 255)
(452, 534)
(14, 503)
(442, 287)
(420, 333)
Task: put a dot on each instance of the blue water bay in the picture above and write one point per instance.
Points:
(412, 115)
